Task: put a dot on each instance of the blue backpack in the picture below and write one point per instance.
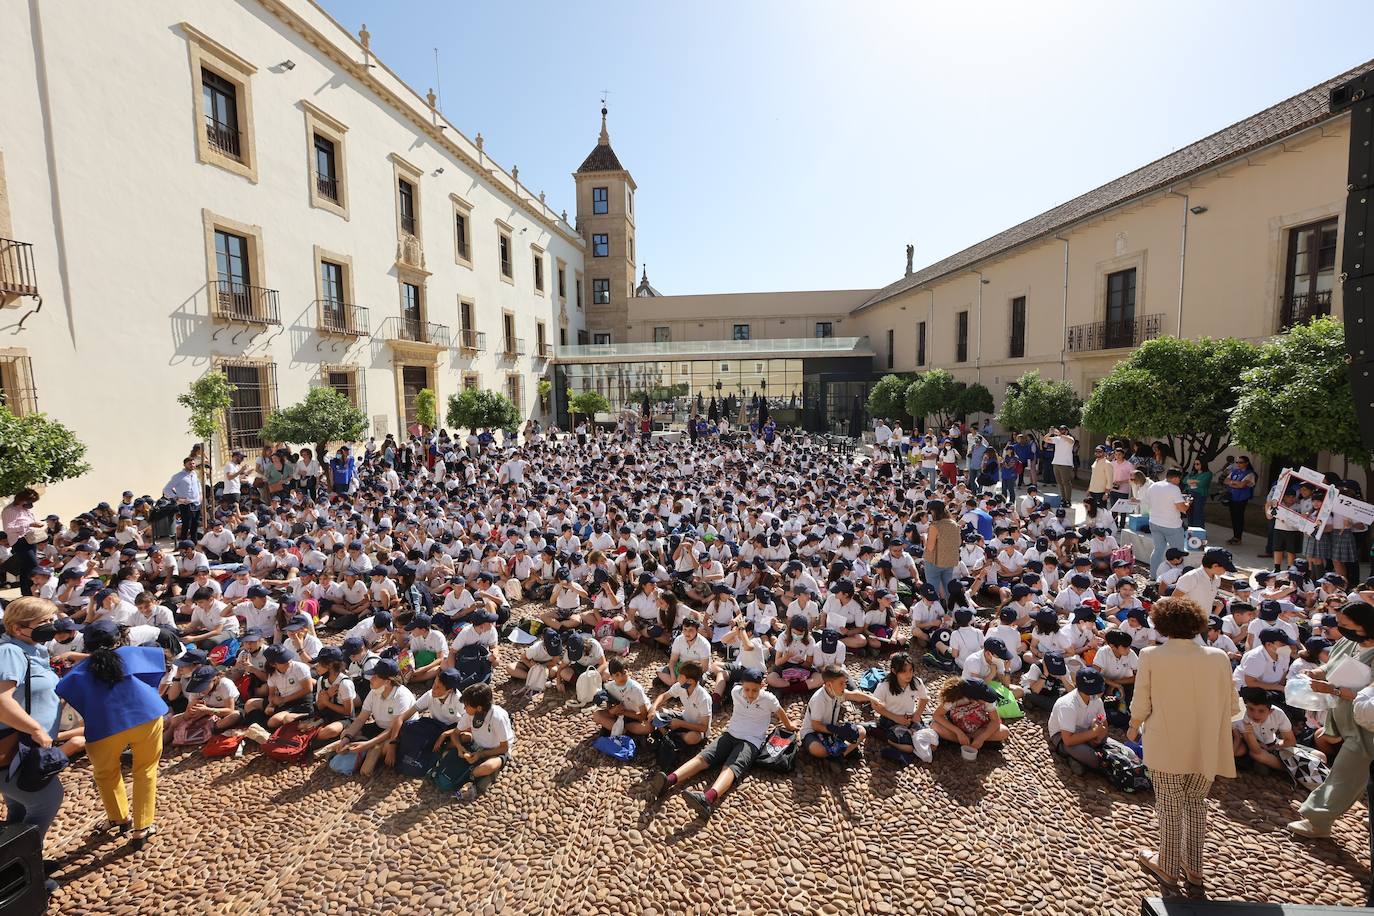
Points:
(620, 747)
(870, 679)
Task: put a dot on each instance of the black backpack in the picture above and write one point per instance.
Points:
(415, 754)
(474, 665)
(779, 752)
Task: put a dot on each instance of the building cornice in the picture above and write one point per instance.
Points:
(419, 115)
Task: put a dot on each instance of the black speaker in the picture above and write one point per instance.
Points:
(1357, 271)
(22, 891)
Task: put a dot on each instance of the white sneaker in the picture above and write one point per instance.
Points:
(1308, 830)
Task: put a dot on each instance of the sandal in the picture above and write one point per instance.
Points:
(1193, 879)
(140, 837)
(1150, 862)
(467, 793)
(118, 827)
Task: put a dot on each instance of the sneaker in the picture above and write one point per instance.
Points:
(1308, 830)
(658, 784)
(1077, 767)
(896, 756)
(698, 801)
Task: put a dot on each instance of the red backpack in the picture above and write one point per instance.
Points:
(221, 746)
(290, 743)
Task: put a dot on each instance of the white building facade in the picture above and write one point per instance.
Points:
(195, 185)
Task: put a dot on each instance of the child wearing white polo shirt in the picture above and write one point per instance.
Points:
(691, 727)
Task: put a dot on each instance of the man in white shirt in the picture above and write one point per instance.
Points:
(1063, 445)
(734, 751)
(1166, 504)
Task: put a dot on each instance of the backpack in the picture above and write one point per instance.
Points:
(588, 686)
(291, 742)
(1306, 766)
(473, 665)
(1007, 707)
(779, 752)
(618, 747)
(221, 746)
(194, 731)
(537, 679)
(1123, 768)
(450, 772)
(347, 763)
(225, 652)
(869, 680)
(415, 754)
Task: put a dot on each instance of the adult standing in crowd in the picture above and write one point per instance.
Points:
(235, 469)
(19, 522)
(29, 709)
(941, 548)
(184, 488)
(1240, 486)
(115, 689)
(1198, 483)
(1184, 704)
(1100, 482)
(1165, 503)
(342, 467)
(1062, 443)
(1350, 770)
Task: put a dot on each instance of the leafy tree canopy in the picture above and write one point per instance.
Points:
(35, 451)
(325, 416)
(475, 408)
(887, 398)
(1038, 404)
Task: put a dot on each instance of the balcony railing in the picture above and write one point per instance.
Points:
(1111, 335)
(543, 350)
(1301, 308)
(513, 346)
(472, 340)
(223, 138)
(17, 276)
(231, 300)
(327, 187)
(409, 329)
(342, 318)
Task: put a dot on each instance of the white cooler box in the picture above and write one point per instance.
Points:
(1197, 539)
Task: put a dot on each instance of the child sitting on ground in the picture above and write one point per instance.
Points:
(689, 728)
(1263, 729)
(627, 700)
(967, 714)
(1078, 723)
(824, 732)
(900, 702)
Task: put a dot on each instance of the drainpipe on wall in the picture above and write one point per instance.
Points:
(1182, 258)
(1064, 337)
(978, 353)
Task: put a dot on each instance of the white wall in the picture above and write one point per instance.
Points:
(99, 145)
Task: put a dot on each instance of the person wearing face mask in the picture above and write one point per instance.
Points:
(1266, 665)
(1350, 770)
(29, 708)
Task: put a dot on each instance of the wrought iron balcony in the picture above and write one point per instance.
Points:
(224, 138)
(1301, 308)
(513, 346)
(469, 339)
(231, 300)
(17, 275)
(1112, 335)
(327, 187)
(412, 331)
(342, 318)
(543, 350)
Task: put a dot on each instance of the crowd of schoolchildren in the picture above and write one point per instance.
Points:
(363, 621)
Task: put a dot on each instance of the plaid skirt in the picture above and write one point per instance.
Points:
(1336, 545)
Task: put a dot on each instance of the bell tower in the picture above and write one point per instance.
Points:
(606, 221)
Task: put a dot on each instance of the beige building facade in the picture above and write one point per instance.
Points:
(247, 187)
(742, 316)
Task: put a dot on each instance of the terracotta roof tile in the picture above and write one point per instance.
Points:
(601, 159)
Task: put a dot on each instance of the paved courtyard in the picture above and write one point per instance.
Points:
(568, 831)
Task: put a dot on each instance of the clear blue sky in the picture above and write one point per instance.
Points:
(802, 144)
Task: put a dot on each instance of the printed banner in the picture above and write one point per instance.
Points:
(1126, 507)
(1353, 509)
(1306, 515)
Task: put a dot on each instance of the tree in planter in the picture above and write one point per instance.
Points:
(1296, 401)
(426, 409)
(887, 398)
(325, 416)
(545, 388)
(35, 451)
(206, 401)
(475, 408)
(936, 396)
(588, 403)
(1037, 404)
(1177, 391)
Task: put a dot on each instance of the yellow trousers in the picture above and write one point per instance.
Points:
(146, 742)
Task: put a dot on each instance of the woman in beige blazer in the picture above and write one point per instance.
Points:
(1184, 704)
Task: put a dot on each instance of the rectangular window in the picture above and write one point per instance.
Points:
(508, 327)
(471, 380)
(412, 313)
(253, 397)
(825, 329)
(466, 319)
(220, 98)
(740, 332)
(603, 338)
(562, 283)
(406, 192)
(577, 291)
(961, 339)
(891, 346)
(601, 245)
(17, 391)
(538, 272)
(600, 200)
(503, 241)
(1017, 346)
(663, 335)
(631, 241)
(413, 380)
(1310, 273)
(332, 305)
(236, 296)
(541, 342)
(920, 343)
(562, 337)
(514, 390)
(326, 169)
(1120, 329)
(601, 292)
(583, 338)
(460, 236)
(347, 383)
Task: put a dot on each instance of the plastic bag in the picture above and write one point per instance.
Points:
(1299, 694)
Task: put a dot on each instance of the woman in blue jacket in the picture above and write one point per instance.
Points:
(115, 691)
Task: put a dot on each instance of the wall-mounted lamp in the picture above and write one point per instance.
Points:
(984, 281)
(288, 65)
(1198, 210)
(438, 171)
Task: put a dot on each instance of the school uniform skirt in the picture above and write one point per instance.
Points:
(1323, 549)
